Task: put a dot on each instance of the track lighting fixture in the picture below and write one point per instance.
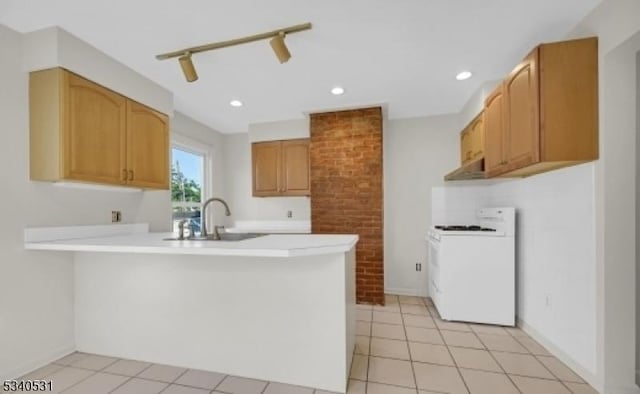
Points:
(277, 44)
(280, 48)
(188, 69)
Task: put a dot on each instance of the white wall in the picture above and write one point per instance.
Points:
(282, 130)
(36, 295)
(237, 152)
(457, 202)
(54, 47)
(617, 23)
(190, 133)
(416, 154)
(475, 104)
(237, 164)
(556, 258)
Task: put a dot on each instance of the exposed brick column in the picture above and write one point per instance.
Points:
(346, 189)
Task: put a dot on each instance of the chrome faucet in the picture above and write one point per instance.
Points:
(181, 226)
(181, 229)
(216, 235)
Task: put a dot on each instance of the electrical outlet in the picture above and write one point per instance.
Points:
(116, 216)
(289, 214)
(418, 267)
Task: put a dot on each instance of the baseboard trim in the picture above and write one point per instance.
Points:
(406, 292)
(40, 362)
(585, 374)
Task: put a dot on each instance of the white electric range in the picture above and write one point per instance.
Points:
(472, 268)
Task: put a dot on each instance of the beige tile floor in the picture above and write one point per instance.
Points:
(401, 348)
(405, 348)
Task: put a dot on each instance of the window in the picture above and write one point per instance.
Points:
(187, 186)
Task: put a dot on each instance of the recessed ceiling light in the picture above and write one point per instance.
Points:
(337, 91)
(463, 75)
(235, 103)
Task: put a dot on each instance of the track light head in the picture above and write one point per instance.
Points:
(188, 68)
(280, 48)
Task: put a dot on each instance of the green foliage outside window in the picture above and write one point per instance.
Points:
(183, 189)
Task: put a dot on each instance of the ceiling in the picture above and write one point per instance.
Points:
(402, 54)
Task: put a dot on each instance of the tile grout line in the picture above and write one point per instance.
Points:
(454, 360)
(490, 351)
(174, 380)
(48, 374)
(537, 357)
(130, 377)
(404, 329)
(265, 387)
(218, 385)
(569, 388)
(504, 370)
(220, 382)
(87, 369)
(121, 384)
(80, 381)
(366, 383)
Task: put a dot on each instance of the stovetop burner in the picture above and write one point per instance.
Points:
(463, 228)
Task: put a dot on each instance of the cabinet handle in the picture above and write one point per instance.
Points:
(130, 175)
(124, 174)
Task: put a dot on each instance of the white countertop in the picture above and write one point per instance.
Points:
(133, 239)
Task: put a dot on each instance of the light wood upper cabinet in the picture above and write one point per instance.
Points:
(94, 131)
(522, 114)
(280, 168)
(147, 147)
(476, 128)
(494, 133)
(82, 131)
(295, 164)
(466, 151)
(472, 141)
(549, 107)
(266, 158)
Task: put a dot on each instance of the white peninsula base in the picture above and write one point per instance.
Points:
(284, 319)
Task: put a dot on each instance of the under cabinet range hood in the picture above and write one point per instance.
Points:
(473, 170)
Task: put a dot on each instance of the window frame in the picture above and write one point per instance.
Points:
(189, 145)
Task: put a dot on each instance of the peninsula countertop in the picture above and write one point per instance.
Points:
(135, 238)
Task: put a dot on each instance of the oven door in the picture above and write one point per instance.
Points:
(434, 265)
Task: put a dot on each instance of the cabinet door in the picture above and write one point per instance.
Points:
(147, 147)
(494, 129)
(465, 146)
(522, 114)
(94, 132)
(266, 160)
(295, 167)
(477, 137)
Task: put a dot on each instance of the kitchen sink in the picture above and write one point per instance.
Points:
(223, 237)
